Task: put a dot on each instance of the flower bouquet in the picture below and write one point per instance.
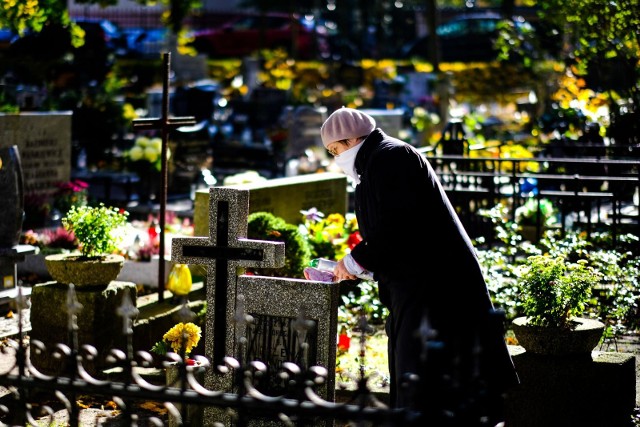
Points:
(180, 339)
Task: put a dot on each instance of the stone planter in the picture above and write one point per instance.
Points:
(69, 268)
(559, 341)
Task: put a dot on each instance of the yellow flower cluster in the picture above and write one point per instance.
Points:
(149, 149)
(189, 333)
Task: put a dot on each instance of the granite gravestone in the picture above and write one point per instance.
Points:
(305, 130)
(11, 194)
(44, 141)
(11, 216)
(225, 250)
(284, 197)
(390, 121)
(285, 312)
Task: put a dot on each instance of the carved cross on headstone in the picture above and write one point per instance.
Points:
(226, 249)
(165, 124)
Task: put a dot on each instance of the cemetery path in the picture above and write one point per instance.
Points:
(99, 413)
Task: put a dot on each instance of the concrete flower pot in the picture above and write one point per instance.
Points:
(71, 268)
(581, 339)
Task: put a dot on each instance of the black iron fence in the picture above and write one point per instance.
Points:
(595, 193)
(185, 397)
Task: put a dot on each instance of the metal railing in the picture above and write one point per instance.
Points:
(299, 404)
(599, 188)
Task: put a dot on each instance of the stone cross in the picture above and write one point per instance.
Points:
(226, 249)
(165, 124)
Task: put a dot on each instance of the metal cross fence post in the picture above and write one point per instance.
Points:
(165, 124)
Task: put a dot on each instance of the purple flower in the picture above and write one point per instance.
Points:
(312, 214)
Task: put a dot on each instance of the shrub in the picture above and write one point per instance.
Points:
(266, 226)
(95, 228)
(553, 290)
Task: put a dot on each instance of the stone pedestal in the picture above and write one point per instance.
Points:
(194, 413)
(99, 325)
(594, 390)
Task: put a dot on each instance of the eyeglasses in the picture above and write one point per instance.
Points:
(333, 152)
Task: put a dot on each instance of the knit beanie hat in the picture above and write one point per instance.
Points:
(346, 123)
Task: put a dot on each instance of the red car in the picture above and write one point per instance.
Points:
(249, 33)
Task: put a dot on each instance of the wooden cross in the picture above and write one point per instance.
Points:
(165, 124)
(226, 249)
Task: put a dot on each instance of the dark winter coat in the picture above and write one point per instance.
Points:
(414, 243)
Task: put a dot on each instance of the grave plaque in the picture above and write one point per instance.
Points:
(44, 143)
(275, 305)
(284, 197)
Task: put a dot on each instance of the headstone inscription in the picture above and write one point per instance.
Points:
(44, 141)
(277, 306)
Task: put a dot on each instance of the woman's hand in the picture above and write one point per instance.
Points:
(341, 273)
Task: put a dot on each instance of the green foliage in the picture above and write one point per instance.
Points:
(552, 290)
(598, 31)
(615, 297)
(21, 15)
(266, 226)
(96, 228)
(527, 213)
(363, 300)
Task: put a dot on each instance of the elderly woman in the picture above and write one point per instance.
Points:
(442, 325)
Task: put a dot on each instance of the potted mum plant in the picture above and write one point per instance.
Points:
(554, 293)
(97, 231)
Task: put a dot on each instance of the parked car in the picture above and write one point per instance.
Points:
(99, 31)
(467, 38)
(244, 35)
(6, 36)
(145, 42)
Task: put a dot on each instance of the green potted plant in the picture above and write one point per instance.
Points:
(97, 231)
(553, 295)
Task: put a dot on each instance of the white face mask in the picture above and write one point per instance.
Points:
(347, 159)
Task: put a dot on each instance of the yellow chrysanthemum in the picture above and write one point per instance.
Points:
(189, 333)
(335, 218)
